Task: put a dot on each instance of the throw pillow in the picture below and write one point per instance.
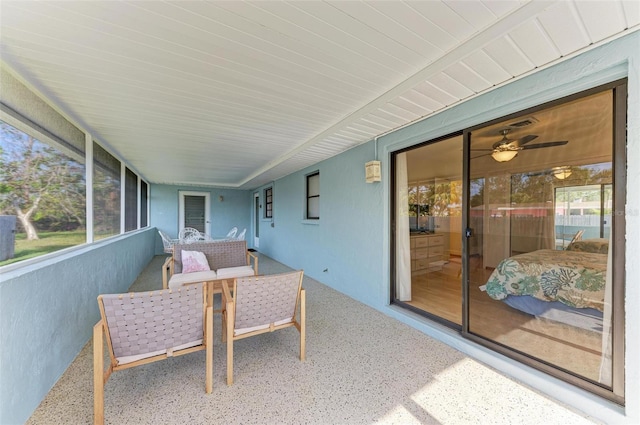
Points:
(194, 261)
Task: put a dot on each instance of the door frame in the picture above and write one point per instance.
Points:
(207, 209)
(255, 215)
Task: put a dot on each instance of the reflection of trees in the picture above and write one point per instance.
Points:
(532, 188)
(106, 202)
(438, 199)
(39, 184)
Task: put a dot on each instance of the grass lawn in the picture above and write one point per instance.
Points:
(48, 242)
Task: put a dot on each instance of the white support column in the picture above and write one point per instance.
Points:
(88, 178)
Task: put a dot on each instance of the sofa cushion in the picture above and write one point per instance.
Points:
(231, 272)
(179, 279)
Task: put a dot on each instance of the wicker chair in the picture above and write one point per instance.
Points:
(232, 233)
(146, 327)
(167, 242)
(262, 304)
(189, 235)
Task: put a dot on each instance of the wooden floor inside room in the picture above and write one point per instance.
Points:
(439, 292)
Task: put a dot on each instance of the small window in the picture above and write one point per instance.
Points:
(268, 203)
(106, 193)
(130, 200)
(313, 196)
(143, 204)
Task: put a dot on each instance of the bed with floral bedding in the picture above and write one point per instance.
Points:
(566, 286)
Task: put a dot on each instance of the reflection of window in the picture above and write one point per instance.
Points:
(106, 193)
(268, 203)
(313, 196)
(586, 208)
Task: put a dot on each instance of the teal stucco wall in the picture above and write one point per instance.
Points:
(47, 313)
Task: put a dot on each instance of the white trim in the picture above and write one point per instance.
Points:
(256, 218)
(88, 169)
(123, 188)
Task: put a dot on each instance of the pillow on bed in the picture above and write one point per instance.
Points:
(596, 246)
(194, 261)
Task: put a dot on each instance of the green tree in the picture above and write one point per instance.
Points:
(36, 179)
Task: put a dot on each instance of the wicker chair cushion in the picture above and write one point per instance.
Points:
(231, 272)
(180, 279)
(145, 324)
(262, 300)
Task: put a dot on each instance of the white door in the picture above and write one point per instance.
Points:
(256, 220)
(195, 211)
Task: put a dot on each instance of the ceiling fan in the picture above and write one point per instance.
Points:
(506, 149)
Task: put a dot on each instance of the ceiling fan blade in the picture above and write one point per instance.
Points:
(546, 145)
(486, 150)
(524, 140)
(480, 156)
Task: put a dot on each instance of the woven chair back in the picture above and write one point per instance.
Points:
(145, 322)
(266, 299)
(220, 254)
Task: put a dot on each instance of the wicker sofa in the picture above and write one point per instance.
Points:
(227, 259)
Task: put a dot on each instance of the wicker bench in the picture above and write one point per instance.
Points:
(227, 259)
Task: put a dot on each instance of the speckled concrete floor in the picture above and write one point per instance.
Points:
(362, 367)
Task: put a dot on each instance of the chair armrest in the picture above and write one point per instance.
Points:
(250, 256)
(226, 293)
(167, 272)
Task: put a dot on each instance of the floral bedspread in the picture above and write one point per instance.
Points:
(576, 279)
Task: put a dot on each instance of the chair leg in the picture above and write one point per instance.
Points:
(303, 332)
(229, 338)
(98, 375)
(209, 350)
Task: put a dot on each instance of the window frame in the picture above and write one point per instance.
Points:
(310, 196)
(268, 203)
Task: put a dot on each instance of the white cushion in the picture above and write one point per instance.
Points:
(194, 261)
(180, 279)
(231, 272)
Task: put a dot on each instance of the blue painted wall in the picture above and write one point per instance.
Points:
(47, 313)
(233, 211)
(348, 239)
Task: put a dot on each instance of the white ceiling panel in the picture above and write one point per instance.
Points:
(452, 87)
(601, 18)
(534, 42)
(564, 26)
(461, 72)
(486, 68)
(476, 13)
(631, 12)
(509, 56)
(240, 93)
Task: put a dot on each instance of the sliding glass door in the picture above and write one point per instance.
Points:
(523, 250)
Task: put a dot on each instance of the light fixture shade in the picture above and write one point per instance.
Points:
(561, 173)
(372, 172)
(504, 156)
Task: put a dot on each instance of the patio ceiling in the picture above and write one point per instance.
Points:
(237, 94)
